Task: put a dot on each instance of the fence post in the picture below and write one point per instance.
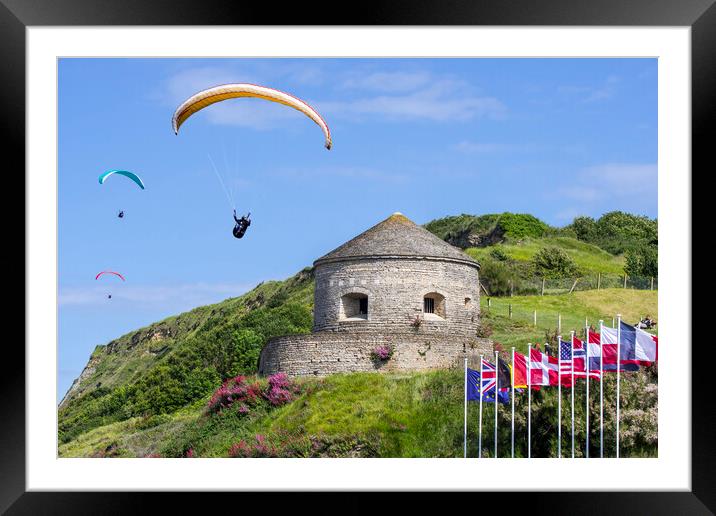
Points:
(510, 308)
(652, 283)
(543, 286)
(599, 280)
(625, 277)
(512, 288)
(535, 317)
(489, 302)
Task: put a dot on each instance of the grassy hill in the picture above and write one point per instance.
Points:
(363, 414)
(588, 257)
(148, 393)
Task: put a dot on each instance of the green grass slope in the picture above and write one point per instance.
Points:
(588, 257)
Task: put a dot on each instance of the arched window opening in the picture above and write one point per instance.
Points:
(354, 306)
(434, 306)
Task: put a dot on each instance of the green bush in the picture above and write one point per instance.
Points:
(520, 225)
(553, 262)
(499, 277)
(642, 261)
(616, 231)
(498, 254)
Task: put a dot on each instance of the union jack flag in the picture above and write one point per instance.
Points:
(489, 375)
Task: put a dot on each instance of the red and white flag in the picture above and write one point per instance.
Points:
(544, 369)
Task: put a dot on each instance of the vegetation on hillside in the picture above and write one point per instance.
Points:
(616, 231)
(159, 369)
(470, 230)
(187, 387)
(515, 249)
(383, 415)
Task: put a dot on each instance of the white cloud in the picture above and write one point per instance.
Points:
(588, 94)
(386, 94)
(250, 113)
(390, 82)
(361, 173)
(468, 147)
(439, 102)
(612, 180)
(188, 294)
(624, 178)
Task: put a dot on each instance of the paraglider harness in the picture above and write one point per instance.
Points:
(121, 214)
(241, 225)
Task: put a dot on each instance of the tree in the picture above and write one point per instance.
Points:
(585, 228)
(642, 261)
(553, 262)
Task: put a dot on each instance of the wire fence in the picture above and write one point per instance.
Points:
(549, 286)
(546, 318)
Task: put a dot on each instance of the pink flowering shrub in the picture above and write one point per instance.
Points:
(232, 390)
(261, 448)
(382, 353)
(278, 390)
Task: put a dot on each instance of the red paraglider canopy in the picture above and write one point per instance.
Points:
(109, 272)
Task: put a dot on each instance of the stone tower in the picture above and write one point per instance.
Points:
(394, 285)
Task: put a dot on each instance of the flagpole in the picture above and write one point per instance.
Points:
(586, 371)
(601, 390)
(513, 402)
(497, 390)
(559, 397)
(479, 449)
(528, 367)
(464, 439)
(572, 359)
(619, 367)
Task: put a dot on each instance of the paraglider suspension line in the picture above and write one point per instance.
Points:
(223, 186)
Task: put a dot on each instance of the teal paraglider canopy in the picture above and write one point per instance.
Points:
(131, 175)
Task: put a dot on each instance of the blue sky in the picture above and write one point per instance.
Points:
(555, 138)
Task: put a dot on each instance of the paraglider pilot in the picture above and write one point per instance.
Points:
(121, 214)
(241, 225)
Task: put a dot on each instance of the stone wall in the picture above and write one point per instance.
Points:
(395, 288)
(325, 353)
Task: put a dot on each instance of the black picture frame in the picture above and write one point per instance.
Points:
(16, 15)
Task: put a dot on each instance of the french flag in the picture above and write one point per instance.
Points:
(637, 346)
(608, 342)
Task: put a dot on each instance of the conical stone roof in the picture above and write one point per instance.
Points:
(397, 237)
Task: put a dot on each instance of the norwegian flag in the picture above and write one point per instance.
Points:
(543, 369)
(489, 375)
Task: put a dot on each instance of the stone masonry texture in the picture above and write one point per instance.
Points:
(395, 264)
